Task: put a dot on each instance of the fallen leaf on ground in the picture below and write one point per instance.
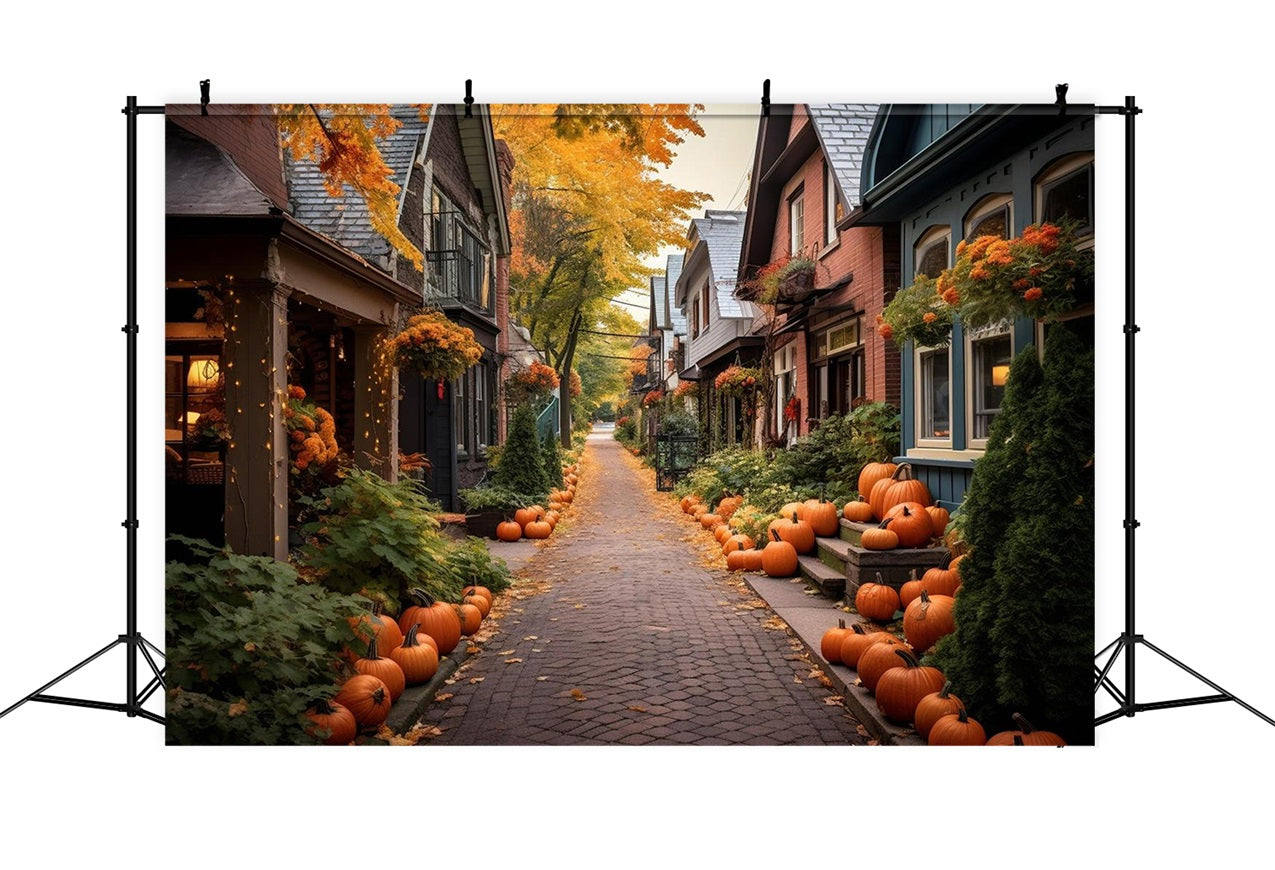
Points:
(861, 731)
(445, 696)
(834, 701)
(578, 695)
(532, 637)
(637, 708)
(874, 743)
(513, 661)
(541, 679)
(506, 652)
(796, 679)
(581, 606)
(471, 649)
(476, 679)
(536, 649)
(774, 623)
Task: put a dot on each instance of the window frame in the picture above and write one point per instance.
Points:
(1004, 328)
(986, 206)
(928, 239)
(1058, 171)
(918, 356)
(831, 199)
(796, 220)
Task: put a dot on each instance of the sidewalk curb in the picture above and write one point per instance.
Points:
(414, 701)
(858, 700)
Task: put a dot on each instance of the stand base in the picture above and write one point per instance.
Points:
(133, 706)
(1128, 706)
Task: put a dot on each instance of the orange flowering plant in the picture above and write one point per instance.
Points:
(737, 380)
(684, 389)
(311, 434)
(537, 380)
(434, 347)
(917, 313)
(1035, 275)
(652, 398)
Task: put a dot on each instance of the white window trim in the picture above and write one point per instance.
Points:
(1005, 327)
(829, 205)
(917, 404)
(795, 239)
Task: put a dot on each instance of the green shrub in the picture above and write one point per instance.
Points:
(250, 647)
(679, 423)
(521, 467)
(378, 539)
(1024, 618)
(494, 498)
(837, 450)
(473, 563)
(551, 459)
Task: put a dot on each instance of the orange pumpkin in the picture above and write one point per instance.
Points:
(939, 518)
(386, 669)
(877, 659)
(858, 639)
(957, 729)
(793, 510)
(911, 523)
(436, 619)
(687, 502)
(752, 560)
(868, 477)
(525, 515)
(879, 538)
(935, 706)
(779, 558)
(376, 625)
(737, 542)
(928, 619)
(478, 590)
(471, 618)
(942, 581)
(830, 643)
(710, 521)
(509, 531)
(876, 601)
(1026, 735)
(857, 512)
(537, 530)
(737, 560)
(334, 719)
(900, 690)
(910, 591)
(823, 518)
(799, 534)
(368, 698)
(419, 660)
(899, 487)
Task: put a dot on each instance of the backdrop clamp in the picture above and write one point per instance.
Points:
(765, 98)
(204, 86)
(469, 98)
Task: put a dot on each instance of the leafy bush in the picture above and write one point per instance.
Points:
(838, 449)
(377, 539)
(250, 647)
(521, 467)
(626, 429)
(679, 423)
(727, 472)
(1024, 618)
(474, 564)
(494, 498)
(551, 459)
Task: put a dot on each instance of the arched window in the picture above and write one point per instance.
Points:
(931, 254)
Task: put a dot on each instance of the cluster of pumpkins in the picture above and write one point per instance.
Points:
(900, 504)
(908, 692)
(400, 653)
(536, 522)
(791, 534)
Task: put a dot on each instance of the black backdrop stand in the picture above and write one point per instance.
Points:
(135, 645)
(1127, 643)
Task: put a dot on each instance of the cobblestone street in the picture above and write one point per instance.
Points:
(631, 640)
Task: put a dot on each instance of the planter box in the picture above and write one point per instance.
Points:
(483, 525)
(862, 566)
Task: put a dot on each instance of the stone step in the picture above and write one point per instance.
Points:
(830, 581)
(862, 566)
(852, 533)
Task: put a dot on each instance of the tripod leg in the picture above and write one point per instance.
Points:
(53, 682)
(1203, 679)
(1118, 643)
(159, 652)
(159, 674)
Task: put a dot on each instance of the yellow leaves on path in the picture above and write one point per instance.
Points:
(444, 696)
(578, 695)
(513, 661)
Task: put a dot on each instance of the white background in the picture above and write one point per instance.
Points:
(1180, 786)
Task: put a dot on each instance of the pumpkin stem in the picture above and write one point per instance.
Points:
(841, 624)
(963, 716)
(947, 688)
(323, 707)
(410, 640)
(1023, 725)
(909, 660)
(371, 649)
(378, 695)
(1018, 740)
(774, 535)
(947, 561)
(857, 628)
(885, 522)
(421, 597)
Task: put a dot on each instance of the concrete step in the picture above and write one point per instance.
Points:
(830, 581)
(852, 533)
(862, 566)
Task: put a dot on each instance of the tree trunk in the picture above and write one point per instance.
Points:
(564, 380)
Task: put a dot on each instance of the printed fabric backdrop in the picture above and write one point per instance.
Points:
(629, 424)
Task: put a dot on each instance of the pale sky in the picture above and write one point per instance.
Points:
(716, 163)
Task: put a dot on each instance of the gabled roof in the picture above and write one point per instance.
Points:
(672, 270)
(721, 234)
(659, 309)
(843, 130)
(345, 218)
(201, 179)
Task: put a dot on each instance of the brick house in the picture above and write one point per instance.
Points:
(821, 344)
(935, 174)
(454, 181)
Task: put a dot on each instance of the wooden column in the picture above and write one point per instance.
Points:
(257, 458)
(375, 404)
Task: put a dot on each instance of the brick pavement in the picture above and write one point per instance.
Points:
(634, 641)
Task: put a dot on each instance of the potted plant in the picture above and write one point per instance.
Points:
(434, 347)
(487, 506)
(796, 279)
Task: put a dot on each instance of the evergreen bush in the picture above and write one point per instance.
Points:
(1024, 618)
(551, 460)
(521, 467)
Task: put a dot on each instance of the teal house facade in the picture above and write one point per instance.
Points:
(936, 174)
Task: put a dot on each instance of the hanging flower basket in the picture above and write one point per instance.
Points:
(652, 398)
(311, 435)
(737, 380)
(684, 389)
(917, 313)
(796, 280)
(433, 347)
(534, 382)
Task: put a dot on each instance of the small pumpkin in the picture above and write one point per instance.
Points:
(709, 521)
(868, 477)
(928, 619)
(335, 720)
(823, 518)
(911, 523)
(933, 707)
(552, 517)
(753, 559)
(798, 533)
(939, 518)
(877, 659)
(779, 558)
(910, 591)
(830, 643)
(942, 581)
(722, 534)
(687, 502)
(509, 531)
(367, 698)
(859, 639)
(436, 619)
(737, 542)
(794, 510)
(857, 511)
(737, 560)
(387, 670)
(377, 625)
(537, 530)
(471, 619)
(478, 590)
(525, 515)
(726, 507)
(1025, 735)
(698, 511)
(876, 601)
(900, 690)
(879, 538)
(481, 602)
(418, 660)
(957, 729)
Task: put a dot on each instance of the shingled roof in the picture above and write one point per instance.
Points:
(723, 233)
(659, 310)
(843, 130)
(345, 218)
(672, 269)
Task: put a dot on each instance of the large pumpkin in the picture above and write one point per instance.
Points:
(387, 670)
(737, 542)
(737, 560)
(871, 473)
(794, 510)
(436, 619)
(957, 729)
(525, 515)
(798, 533)
(942, 581)
(481, 602)
(509, 531)
(368, 698)
(753, 559)
(879, 538)
(471, 618)
(419, 661)
(900, 690)
(911, 523)
(859, 639)
(1025, 735)
(933, 707)
(779, 558)
(857, 511)
(334, 719)
(710, 521)
(830, 643)
(537, 530)
(927, 619)
(823, 518)
(876, 601)
(877, 659)
(899, 487)
(478, 590)
(387, 632)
